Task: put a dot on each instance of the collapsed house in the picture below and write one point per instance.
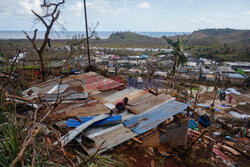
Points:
(84, 105)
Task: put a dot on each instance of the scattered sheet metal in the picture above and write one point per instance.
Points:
(58, 89)
(109, 138)
(91, 82)
(207, 107)
(150, 119)
(73, 133)
(104, 94)
(110, 106)
(112, 120)
(66, 96)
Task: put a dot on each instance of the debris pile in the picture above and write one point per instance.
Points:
(76, 119)
(77, 115)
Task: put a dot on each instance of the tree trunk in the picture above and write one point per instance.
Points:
(173, 70)
(43, 67)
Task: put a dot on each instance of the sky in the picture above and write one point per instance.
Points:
(133, 15)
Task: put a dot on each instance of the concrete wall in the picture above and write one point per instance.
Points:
(176, 135)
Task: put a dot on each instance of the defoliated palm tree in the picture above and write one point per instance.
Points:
(179, 57)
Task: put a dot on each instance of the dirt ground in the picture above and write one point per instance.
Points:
(244, 97)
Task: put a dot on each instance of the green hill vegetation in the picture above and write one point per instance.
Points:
(218, 44)
(130, 39)
(221, 44)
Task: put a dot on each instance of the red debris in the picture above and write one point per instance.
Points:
(220, 154)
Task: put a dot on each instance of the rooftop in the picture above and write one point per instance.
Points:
(234, 75)
(91, 96)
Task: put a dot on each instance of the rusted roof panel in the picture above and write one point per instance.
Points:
(87, 110)
(104, 94)
(148, 101)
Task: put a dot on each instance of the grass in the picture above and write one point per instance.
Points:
(9, 144)
(195, 89)
(21, 67)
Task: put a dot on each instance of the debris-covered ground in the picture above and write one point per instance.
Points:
(73, 121)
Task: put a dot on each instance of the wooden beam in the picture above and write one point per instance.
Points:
(162, 130)
(137, 140)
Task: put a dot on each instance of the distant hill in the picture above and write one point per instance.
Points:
(226, 44)
(212, 36)
(221, 44)
(130, 39)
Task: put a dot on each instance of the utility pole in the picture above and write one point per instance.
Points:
(87, 34)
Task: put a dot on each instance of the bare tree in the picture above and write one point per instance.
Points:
(48, 18)
(151, 67)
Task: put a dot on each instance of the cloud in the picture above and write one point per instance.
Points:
(27, 5)
(207, 21)
(77, 8)
(101, 6)
(144, 5)
(247, 12)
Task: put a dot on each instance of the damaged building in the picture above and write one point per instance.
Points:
(86, 111)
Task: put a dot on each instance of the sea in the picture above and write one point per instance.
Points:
(71, 34)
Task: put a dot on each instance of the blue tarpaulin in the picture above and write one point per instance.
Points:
(192, 124)
(112, 120)
(207, 107)
(204, 121)
(144, 56)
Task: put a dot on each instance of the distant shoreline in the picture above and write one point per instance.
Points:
(6, 35)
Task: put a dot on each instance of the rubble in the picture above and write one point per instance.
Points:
(82, 110)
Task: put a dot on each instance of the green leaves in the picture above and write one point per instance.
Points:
(177, 52)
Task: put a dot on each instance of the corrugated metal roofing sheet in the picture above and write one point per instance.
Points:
(58, 89)
(150, 119)
(235, 75)
(108, 138)
(66, 96)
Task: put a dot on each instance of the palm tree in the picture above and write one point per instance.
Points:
(179, 57)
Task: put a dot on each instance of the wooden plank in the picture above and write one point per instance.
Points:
(231, 144)
(162, 130)
(88, 110)
(220, 154)
(233, 151)
(136, 140)
(198, 133)
(73, 133)
(131, 93)
(147, 102)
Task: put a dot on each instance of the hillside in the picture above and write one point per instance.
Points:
(219, 36)
(224, 44)
(130, 39)
(220, 44)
